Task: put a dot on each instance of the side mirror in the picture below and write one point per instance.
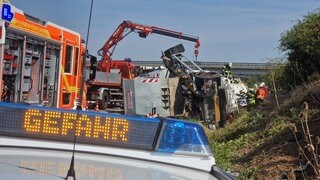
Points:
(93, 67)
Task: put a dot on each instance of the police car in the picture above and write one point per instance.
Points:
(49, 143)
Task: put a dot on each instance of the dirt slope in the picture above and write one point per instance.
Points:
(281, 157)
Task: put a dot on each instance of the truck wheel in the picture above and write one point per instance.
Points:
(104, 102)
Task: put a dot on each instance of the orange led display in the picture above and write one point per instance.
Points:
(52, 122)
(32, 121)
(84, 125)
(105, 129)
(89, 127)
(68, 123)
(120, 132)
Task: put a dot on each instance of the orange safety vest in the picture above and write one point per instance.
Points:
(261, 93)
(266, 90)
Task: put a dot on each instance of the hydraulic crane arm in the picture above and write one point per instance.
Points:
(107, 50)
(178, 35)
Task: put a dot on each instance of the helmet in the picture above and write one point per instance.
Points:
(262, 84)
(230, 64)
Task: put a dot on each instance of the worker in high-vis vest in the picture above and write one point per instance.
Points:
(251, 97)
(226, 70)
(261, 93)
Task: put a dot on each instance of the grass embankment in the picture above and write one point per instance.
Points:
(259, 143)
(238, 143)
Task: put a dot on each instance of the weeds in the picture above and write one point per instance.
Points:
(247, 145)
(246, 138)
(274, 127)
(235, 140)
(225, 151)
(248, 173)
(308, 154)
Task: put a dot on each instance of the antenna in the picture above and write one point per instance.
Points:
(84, 56)
(71, 172)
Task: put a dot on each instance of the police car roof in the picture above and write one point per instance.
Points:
(30, 163)
(37, 141)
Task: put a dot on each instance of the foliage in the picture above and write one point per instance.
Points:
(224, 151)
(301, 43)
(241, 144)
(276, 68)
(248, 173)
(275, 126)
(308, 148)
(226, 141)
(250, 82)
(239, 139)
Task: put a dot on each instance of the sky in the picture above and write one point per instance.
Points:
(229, 30)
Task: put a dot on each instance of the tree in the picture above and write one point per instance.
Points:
(302, 45)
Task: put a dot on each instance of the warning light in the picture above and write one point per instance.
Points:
(184, 138)
(155, 134)
(6, 13)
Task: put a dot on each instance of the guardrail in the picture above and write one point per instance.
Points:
(209, 64)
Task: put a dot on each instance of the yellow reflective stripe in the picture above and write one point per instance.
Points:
(71, 89)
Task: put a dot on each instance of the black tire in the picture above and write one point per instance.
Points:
(103, 104)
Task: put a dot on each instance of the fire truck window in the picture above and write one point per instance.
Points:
(66, 98)
(76, 60)
(68, 59)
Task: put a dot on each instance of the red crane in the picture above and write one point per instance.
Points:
(107, 50)
(105, 82)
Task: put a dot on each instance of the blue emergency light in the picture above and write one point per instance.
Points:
(6, 13)
(106, 129)
(183, 137)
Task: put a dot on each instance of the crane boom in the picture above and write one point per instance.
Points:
(107, 50)
(174, 34)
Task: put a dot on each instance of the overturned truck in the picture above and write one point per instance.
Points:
(182, 89)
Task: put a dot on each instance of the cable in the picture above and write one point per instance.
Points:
(84, 56)
(89, 24)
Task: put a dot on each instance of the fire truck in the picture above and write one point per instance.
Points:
(105, 78)
(39, 62)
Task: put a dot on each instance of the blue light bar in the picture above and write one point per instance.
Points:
(183, 137)
(106, 129)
